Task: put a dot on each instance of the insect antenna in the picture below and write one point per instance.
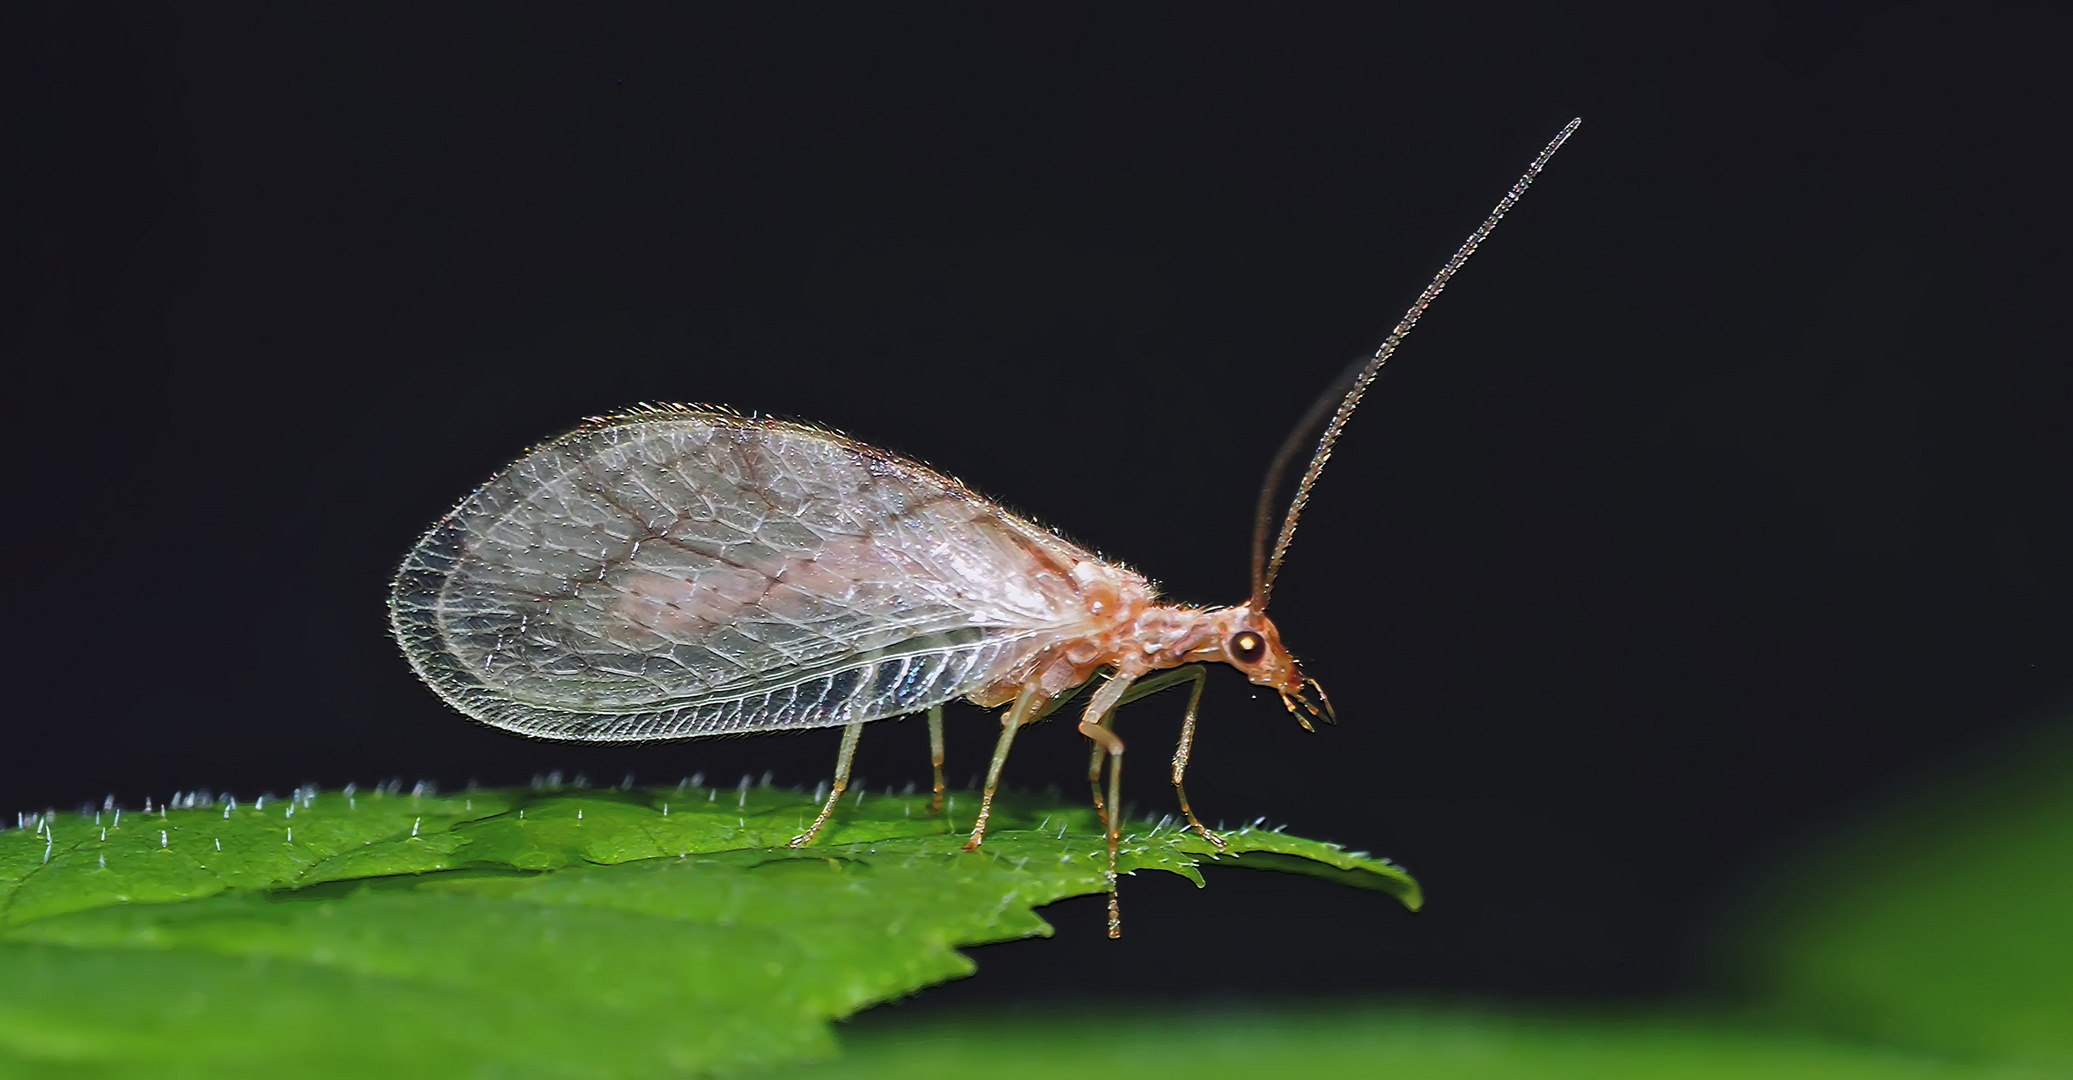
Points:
(1347, 390)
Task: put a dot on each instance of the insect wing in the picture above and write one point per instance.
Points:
(690, 572)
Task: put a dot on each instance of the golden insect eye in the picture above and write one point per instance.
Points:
(1247, 647)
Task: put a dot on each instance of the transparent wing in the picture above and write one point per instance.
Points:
(690, 572)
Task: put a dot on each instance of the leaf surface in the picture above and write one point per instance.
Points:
(573, 932)
(1942, 917)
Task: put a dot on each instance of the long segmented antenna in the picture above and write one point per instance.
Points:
(1265, 569)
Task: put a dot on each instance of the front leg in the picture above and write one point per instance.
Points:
(1199, 676)
(1180, 759)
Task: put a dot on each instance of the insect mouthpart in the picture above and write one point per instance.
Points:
(1301, 707)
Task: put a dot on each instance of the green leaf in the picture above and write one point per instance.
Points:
(535, 933)
(1339, 1039)
(1943, 918)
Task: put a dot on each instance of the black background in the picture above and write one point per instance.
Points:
(1724, 489)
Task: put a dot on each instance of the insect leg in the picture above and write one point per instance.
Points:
(1193, 673)
(936, 755)
(1094, 763)
(1152, 684)
(1180, 759)
(1011, 721)
(1094, 725)
(1137, 690)
(850, 734)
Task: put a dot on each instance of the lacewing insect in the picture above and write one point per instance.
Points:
(680, 571)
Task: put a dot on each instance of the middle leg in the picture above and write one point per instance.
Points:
(1094, 725)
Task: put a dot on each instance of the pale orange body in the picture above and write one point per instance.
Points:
(1127, 634)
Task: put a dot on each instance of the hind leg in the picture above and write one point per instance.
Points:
(1023, 711)
(850, 735)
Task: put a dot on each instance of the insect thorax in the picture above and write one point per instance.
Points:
(1124, 630)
